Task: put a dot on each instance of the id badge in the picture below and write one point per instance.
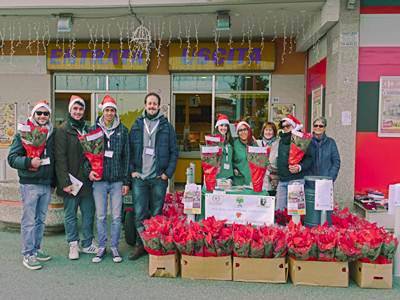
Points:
(109, 153)
(45, 161)
(149, 151)
(227, 166)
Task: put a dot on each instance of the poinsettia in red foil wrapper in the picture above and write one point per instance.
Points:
(258, 160)
(158, 235)
(326, 238)
(33, 139)
(214, 140)
(301, 242)
(210, 163)
(93, 149)
(298, 146)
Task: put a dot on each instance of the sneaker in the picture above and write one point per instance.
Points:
(99, 256)
(31, 262)
(116, 257)
(42, 255)
(137, 252)
(92, 249)
(73, 250)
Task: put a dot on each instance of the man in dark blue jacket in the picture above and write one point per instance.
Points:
(326, 158)
(153, 158)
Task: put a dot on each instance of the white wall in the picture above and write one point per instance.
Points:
(24, 82)
(289, 89)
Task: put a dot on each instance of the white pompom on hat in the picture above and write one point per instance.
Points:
(108, 101)
(75, 99)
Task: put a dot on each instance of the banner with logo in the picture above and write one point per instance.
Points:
(241, 209)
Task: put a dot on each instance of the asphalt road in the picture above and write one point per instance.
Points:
(64, 279)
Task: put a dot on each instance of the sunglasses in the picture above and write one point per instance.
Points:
(286, 126)
(243, 130)
(319, 126)
(44, 113)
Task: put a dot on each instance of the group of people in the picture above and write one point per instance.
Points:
(142, 159)
(321, 159)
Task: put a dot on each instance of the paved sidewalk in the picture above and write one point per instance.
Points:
(64, 279)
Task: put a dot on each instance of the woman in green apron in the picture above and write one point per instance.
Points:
(222, 127)
(240, 165)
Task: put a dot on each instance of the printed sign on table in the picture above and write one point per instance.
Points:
(323, 194)
(296, 200)
(241, 209)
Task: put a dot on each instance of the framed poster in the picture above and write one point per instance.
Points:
(316, 103)
(389, 106)
(8, 123)
(280, 110)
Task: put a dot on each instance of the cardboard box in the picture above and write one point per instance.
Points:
(319, 273)
(274, 270)
(196, 267)
(164, 265)
(372, 275)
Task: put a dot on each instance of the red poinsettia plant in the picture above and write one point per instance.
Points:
(298, 146)
(210, 163)
(173, 205)
(258, 160)
(93, 149)
(301, 242)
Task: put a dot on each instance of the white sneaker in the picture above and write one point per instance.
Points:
(92, 249)
(73, 250)
(116, 256)
(99, 256)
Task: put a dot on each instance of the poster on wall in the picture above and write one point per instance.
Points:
(316, 103)
(280, 110)
(8, 123)
(389, 106)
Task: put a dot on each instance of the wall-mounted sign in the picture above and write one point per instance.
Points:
(317, 103)
(206, 57)
(8, 121)
(83, 58)
(389, 106)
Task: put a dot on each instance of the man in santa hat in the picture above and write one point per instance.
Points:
(154, 154)
(36, 175)
(115, 181)
(289, 174)
(71, 164)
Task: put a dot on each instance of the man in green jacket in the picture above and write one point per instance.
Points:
(36, 175)
(70, 160)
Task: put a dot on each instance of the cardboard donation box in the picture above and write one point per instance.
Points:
(319, 273)
(164, 265)
(375, 276)
(197, 267)
(273, 270)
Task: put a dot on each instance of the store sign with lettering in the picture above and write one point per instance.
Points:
(83, 58)
(227, 57)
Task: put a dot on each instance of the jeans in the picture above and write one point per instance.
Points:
(86, 205)
(101, 189)
(148, 200)
(282, 191)
(35, 202)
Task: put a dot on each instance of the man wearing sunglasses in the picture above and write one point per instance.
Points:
(326, 158)
(36, 175)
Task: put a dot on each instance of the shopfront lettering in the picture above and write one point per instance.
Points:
(221, 56)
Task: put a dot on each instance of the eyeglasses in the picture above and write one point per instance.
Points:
(243, 130)
(44, 113)
(286, 126)
(319, 126)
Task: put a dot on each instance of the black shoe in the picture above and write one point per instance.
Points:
(137, 252)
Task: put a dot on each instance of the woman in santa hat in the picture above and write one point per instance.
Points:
(115, 181)
(222, 126)
(240, 165)
(289, 174)
(36, 175)
(71, 161)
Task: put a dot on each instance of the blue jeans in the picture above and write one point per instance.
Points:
(86, 205)
(281, 193)
(148, 200)
(35, 202)
(101, 189)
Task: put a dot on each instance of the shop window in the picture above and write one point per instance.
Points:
(196, 83)
(80, 82)
(242, 83)
(127, 83)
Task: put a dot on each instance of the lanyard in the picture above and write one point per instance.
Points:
(227, 153)
(150, 133)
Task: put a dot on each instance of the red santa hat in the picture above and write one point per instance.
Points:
(296, 124)
(108, 101)
(39, 104)
(221, 120)
(75, 99)
(242, 123)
